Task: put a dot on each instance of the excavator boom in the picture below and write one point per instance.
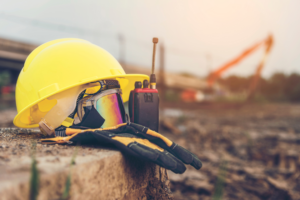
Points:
(216, 74)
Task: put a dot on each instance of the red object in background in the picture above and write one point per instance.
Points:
(188, 95)
(192, 96)
(6, 90)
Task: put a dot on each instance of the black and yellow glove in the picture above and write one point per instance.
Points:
(135, 140)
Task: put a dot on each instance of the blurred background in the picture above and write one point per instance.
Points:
(228, 76)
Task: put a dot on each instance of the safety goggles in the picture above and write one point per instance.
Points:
(98, 104)
(109, 108)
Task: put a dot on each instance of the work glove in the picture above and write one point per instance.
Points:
(135, 140)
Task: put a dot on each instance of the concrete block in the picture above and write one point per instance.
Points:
(105, 174)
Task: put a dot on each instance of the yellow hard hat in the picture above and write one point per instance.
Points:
(59, 65)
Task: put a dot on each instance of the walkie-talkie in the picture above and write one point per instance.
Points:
(144, 102)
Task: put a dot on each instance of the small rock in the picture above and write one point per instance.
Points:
(57, 158)
(168, 125)
(48, 151)
(282, 184)
(197, 185)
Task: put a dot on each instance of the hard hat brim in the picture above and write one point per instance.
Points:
(126, 81)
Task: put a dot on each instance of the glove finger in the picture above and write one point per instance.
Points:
(186, 156)
(181, 153)
(162, 158)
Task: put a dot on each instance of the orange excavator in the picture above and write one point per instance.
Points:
(190, 95)
(267, 43)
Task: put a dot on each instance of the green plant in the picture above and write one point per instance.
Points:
(34, 177)
(171, 95)
(219, 186)
(5, 78)
(66, 192)
(182, 119)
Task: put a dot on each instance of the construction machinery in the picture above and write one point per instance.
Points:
(191, 95)
(267, 43)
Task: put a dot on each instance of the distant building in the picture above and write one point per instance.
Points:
(12, 57)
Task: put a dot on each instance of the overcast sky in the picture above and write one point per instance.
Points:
(198, 35)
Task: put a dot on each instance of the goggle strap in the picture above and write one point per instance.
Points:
(102, 86)
(72, 115)
(121, 105)
(67, 122)
(114, 83)
(105, 85)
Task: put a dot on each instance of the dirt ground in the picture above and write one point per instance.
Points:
(249, 151)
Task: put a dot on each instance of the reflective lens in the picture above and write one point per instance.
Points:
(109, 108)
(109, 105)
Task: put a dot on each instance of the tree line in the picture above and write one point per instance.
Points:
(279, 87)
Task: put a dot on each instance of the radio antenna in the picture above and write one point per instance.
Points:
(152, 76)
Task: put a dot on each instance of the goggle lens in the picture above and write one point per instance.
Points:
(108, 107)
(108, 104)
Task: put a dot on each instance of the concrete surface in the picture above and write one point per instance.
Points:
(99, 172)
(106, 174)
